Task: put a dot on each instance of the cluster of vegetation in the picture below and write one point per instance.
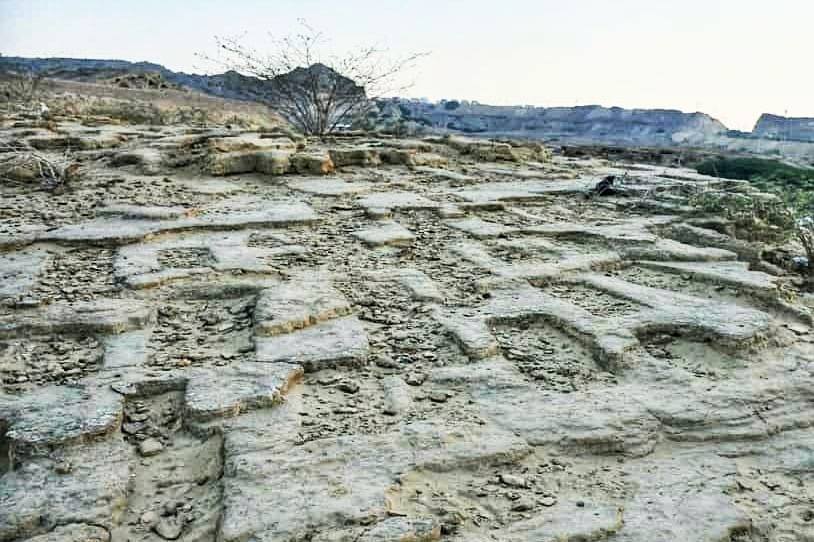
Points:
(755, 216)
(782, 208)
(794, 185)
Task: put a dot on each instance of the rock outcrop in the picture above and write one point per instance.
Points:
(583, 123)
(777, 127)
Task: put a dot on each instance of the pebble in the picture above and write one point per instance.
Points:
(327, 380)
(512, 480)
(386, 362)
(150, 447)
(348, 386)
(522, 505)
(438, 396)
(548, 501)
(168, 529)
(138, 416)
(415, 379)
(149, 518)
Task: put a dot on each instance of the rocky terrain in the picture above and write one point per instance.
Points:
(217, 334)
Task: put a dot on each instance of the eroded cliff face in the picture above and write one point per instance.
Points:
(590, 123)
(787, 128)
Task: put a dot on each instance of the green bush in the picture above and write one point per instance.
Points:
(794, 185)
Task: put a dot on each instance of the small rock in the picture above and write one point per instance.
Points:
(150, 447)
(415, 379)
(798, 329)
(327, 379)
(348, 386)
(138, 416)
(168, 529)
(438, 396)
(149, 518)
(133, 428)
(63, 467)
(548, 501)
(512, 480)
(169, 508)
(523, 505)
(386, 362)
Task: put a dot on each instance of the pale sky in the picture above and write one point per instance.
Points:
(733, 59)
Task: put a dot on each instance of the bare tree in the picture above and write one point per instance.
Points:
(316, 92)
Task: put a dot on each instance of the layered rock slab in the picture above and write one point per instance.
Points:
(73, 485)
(386, 233)
(329, 344)
(19, 270)
(611, 337)
(332, 482)
(237, 389)
(229, 214)
(103, 316)
(295, 305)
(58, 415)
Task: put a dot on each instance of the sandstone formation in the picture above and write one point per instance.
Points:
(217, 334)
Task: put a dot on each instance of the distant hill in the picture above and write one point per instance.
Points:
(230, 84)
(777, 127)
(582, 124)
(589, 123)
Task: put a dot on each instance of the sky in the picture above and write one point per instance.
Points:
(732, 59)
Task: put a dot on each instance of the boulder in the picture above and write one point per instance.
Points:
(271, 162)
(313, 163)
(360, 156)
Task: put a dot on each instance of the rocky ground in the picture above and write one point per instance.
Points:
(216, 335)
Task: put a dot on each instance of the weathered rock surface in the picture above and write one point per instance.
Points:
(339, 342)
(386, 233)
(238, 389)
(53, 416)
(37, 498)
(450, 339)
(310, 497)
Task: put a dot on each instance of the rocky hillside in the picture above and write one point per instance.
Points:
(590, 123)
(777, 127)
(231, 84)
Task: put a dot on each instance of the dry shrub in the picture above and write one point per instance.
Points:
(23, 165)
(805, 234)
